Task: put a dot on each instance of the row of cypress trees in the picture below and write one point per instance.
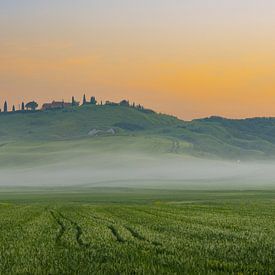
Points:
(5, 109)
(92, 101)
(33, 105)
(29, 106)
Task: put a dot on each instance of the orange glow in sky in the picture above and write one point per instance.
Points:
(187, 58)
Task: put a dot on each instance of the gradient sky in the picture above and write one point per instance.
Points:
(190, 58)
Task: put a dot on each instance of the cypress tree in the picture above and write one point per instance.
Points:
(5, 107)
(23, 106)
(93, 101)
(73, 101)
(13, 108)
(84, 100)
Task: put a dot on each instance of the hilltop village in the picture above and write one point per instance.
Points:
(33, 106)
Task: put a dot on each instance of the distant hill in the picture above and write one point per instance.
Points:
(78, 121)
(210, 137)
(242, 138)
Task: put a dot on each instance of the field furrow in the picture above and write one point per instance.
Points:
(84, 238)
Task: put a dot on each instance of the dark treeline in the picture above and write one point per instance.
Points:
(32, 106)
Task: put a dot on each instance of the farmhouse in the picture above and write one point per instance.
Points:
(55, 105)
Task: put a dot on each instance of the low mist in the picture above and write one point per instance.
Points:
(142, 170)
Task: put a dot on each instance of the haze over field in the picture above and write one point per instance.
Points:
(137, 137)
(187, 58)
(141, 170)
(144, 149)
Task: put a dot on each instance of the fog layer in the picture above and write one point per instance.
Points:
(142, 170)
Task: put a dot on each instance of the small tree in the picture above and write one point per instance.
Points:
(124, 103)
(73, 102)
(93, 101)
(84, 102)
(31, 105)
(5, 107)
(23, 106)
(13, 108)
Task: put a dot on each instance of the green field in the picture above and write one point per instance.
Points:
(210, 137)
(158, 196)
(142, 231)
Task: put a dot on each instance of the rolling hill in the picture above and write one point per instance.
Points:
(209, 137)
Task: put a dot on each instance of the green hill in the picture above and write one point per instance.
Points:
(71, 123)
(134, 128)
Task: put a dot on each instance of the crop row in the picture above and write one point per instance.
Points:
(110, 239)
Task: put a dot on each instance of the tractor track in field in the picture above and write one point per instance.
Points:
(77, 228)
(111, 225)
(62, 228)
(112, 228)
(116, 234)
(134, 233)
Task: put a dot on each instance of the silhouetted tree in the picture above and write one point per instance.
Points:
(31, 105)
(73, 101)
(13, 108)
(23, 106)
(84, 102)
(101, 103)
(124, 103)
(93, 101)
(5, 107)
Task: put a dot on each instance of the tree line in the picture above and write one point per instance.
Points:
(30, 106)
(33, 105)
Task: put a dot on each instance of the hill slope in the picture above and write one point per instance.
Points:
(234, 139)
(78, 122)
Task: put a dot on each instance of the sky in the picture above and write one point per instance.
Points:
(189, 58)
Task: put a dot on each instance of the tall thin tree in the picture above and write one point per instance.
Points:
(23, 106)
(13, 108)
(5, 107)
(73, 101)
(84, 100)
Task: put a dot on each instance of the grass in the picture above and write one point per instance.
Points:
(135, 202)
(38, 153)
(77, 122)
(142, 231)
(213, 137)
